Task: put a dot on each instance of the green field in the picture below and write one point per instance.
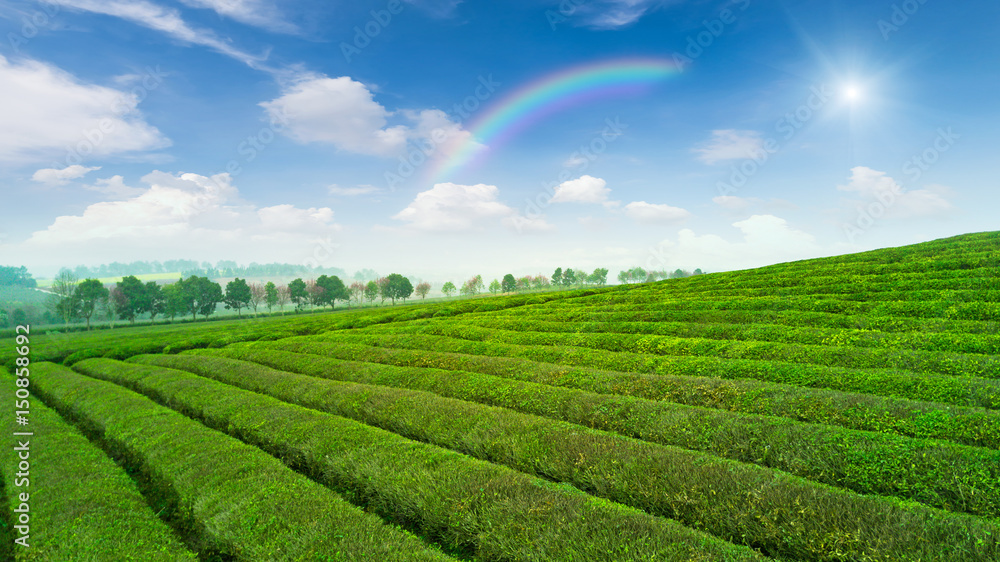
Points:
(843, 408)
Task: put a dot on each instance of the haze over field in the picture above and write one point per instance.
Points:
(445, 138)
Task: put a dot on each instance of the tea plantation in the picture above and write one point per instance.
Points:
(843, 408)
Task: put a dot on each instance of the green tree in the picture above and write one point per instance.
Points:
(509, 283)
(397, 287)
(238, 295)
(173, 300)
(209, 295)
(270, 295)
(523, 283)
(569, 277)
(371, 291)
(495, 286)
(155, 303)
(557, 276)
(135, 297)
(19, 317)
(599, 277)
(422, 289)
(63, 302)
(89, 293)
(333, 290)
(297, 292)
(698, 272)
(448, 289)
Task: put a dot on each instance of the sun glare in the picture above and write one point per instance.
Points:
(853, 93)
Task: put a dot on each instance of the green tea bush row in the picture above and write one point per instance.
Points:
(80, 504)
(831, 356)
(235, 500)
(473, 507)
(779, 514)
(943, 343)
(960, 391)
(944, 475)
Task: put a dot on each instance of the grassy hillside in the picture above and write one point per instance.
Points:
(843, 408)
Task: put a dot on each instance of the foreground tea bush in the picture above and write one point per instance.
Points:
(779, 514)
(234, 500)
(486, 510)
(82, 506)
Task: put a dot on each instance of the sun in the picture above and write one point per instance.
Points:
(852, 92)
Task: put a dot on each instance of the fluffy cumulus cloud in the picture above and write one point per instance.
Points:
(766, 239)
(343, 112)
(49, 115)
(873, 187)
(183, 215)
(650, 213)
(730, 144)
(62, 176)
(585, 189)
(453, 207)
(114, 188)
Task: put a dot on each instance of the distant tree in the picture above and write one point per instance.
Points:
(297, 292)
(569, 278)
(495, 286)
(174, 301)
(270, 295)
(371, 292)
(257, 296)
(698, 272)
(599, 277)
(135, 297)
(539, 282)
(679, 274)
(63, 302)
(284, 297)
(19, 317)
(557, 276)
(357, 291)
(638, 274)
(473, 286)
(382, 283)
(89, 293)
(199, 295)
(523, 283)
(16, 277)
(316, 293)
(238, 295)
(509, 284)
(397, 287)
(422, 289)
(624, 277)
(653, 276)
(448, 289)
(333, 289)
(154, 302)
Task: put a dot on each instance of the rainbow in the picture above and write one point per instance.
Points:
(552, 93)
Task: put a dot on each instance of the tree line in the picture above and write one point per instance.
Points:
(187, 268)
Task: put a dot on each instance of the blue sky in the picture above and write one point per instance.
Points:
(257, 130)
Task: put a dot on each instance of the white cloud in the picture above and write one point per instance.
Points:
(343, 112)
(453, 207)
(46, 110)
(185, 215)
(613, 14)
(56, 176)
(336, 190)
(115, 188)
(650, 213)
(766, 239)
(258, 13)
(873, 185)
(165, 20)
(585, 189)
(730, 144)
(575, 161)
